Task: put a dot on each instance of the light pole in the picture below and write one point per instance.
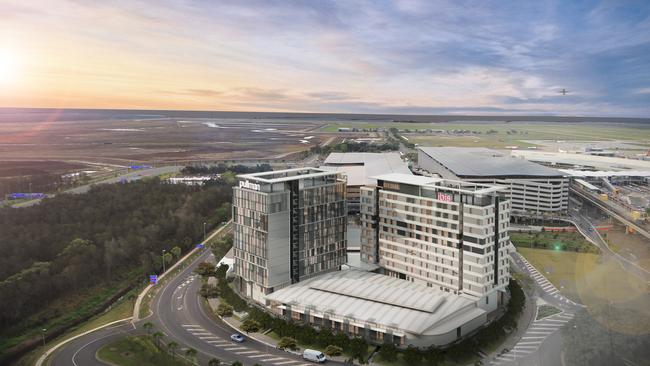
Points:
(163, 260)
(43, 335)
(204, 231)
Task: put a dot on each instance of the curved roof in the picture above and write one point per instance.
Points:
(481, 162)
(383, 300)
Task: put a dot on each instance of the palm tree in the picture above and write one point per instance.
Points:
(191, 353)
(172, 347)
(214, 362)
(148, 326)
(157, 336)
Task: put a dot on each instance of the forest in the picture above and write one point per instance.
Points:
(116, 233)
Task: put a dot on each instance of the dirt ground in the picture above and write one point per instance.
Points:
(123, 142)
(632, 246)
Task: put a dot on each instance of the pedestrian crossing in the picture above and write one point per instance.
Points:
(534, 337)
(240, 349)
(543, 283)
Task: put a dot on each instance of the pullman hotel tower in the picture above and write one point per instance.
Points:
(289, 225)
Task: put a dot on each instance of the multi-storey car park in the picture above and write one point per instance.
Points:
(532, 188)
(289, 225)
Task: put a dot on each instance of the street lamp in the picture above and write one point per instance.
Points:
(43, 335)
(204, 230)
(163, 260)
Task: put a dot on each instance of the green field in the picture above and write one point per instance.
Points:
(138, 351)
(518, 131)
(564, 241)
(602, 285)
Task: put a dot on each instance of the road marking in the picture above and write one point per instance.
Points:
(263, 355)
(234, 348)
(533, 337)
(273, 359)
(286, 362)
(191, 326)
(531, 343)
(218, 341)
(247, 352)
(208, 337)
(535, 332)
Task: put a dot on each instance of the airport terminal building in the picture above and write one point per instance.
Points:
(532, 188)
(289, 225)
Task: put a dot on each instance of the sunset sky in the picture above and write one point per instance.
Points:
(426, 57)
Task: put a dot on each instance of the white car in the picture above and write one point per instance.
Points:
(237, 338)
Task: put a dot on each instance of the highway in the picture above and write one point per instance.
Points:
(136, 174)
(178, 313)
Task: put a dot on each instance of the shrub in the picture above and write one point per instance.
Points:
(333, 350)
(250, 326)
(288, 343)
(224, 310)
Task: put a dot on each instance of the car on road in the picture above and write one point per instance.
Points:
(314, 356)
(237, 338)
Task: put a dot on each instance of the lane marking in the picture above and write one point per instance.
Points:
(234, 348)
(284, 363)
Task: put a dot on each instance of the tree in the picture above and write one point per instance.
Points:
(224, 310)
(176, 251)
(388, 352)
(172, 347)
(412, 356)
(359, 349)
(214, 362)
(332, 350)
(205, 269)
(148, 326)
(250, 326)
(237, 363)
(157, 336)
(209, 291)
(288, 343)
(433, 355)
(190, 353)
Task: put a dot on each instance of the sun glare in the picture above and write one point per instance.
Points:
(8, 66)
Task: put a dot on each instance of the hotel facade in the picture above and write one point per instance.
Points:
(289, 225)
(444, 234)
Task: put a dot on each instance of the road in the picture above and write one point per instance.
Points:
(179, 314)
(133, 175)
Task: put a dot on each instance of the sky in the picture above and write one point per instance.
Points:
(404, 57)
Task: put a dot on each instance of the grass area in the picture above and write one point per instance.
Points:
(522, 130)
(490, 141)
(120, 310)
(631, 246)
(561, 241)
(63, 312)
(544, 311)
(137, 351)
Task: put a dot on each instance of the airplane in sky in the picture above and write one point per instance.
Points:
(563, 91)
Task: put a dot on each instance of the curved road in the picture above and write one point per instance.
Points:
(179, 314)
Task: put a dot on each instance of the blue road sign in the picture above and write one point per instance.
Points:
(153, 279)
(200, 245)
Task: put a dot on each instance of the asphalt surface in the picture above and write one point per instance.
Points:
(179, 314)
(133, 175)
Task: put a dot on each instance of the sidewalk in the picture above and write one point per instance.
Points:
(259, 337)
(525, 319)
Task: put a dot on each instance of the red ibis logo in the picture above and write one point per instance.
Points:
(444, 197)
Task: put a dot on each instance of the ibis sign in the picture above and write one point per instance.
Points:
(249, 185)
(445, 197)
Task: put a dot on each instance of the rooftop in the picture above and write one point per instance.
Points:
(481, 162)
(597, 162)
(368, 297)
(359, 167)
(439, 183)
(278, 176)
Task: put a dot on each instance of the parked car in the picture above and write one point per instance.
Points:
(237, 338)
(314, 356)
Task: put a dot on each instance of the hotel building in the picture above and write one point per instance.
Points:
(444, 234)
(289, 225)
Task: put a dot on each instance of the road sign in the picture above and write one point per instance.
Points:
(200, 245)
(153, 279)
